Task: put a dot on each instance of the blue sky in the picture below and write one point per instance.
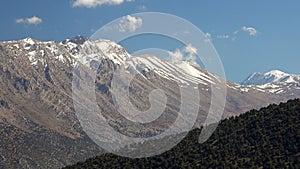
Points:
(249, 36)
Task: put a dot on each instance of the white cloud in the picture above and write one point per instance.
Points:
(191, 58)
(208, 37)
(236, 32)
(223, 36)
(192, 53)
(191, 49)
(176, 56)
(252, 31)
(95, 3)
(189, 53)
(30, 21)
(130, 23)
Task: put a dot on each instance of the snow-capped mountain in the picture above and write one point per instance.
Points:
(274, 81)
(37, 113)
(274, 76)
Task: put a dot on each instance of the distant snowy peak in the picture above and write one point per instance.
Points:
(274, 76)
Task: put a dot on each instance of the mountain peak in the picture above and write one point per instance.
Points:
(79, 40)
(276, 73)
(29, 40)
(273, 76)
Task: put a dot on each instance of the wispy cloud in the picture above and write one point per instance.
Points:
(224, 36)
(142, 7)
(130, 23)
(192, 53)
(191, 49)
(30, 21)
(188, 53)
(95, 3)
(234, 35)
(176, 56)
(208, 37)
(252, 31)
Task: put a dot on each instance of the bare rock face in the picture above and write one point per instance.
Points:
(38, 124)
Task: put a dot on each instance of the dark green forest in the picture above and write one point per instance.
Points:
(265, 138)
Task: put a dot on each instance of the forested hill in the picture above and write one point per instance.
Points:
(265, 138)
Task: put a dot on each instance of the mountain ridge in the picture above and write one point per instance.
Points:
(273, 76)
(36, 100)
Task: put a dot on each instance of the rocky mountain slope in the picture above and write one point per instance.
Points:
(38, 124)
